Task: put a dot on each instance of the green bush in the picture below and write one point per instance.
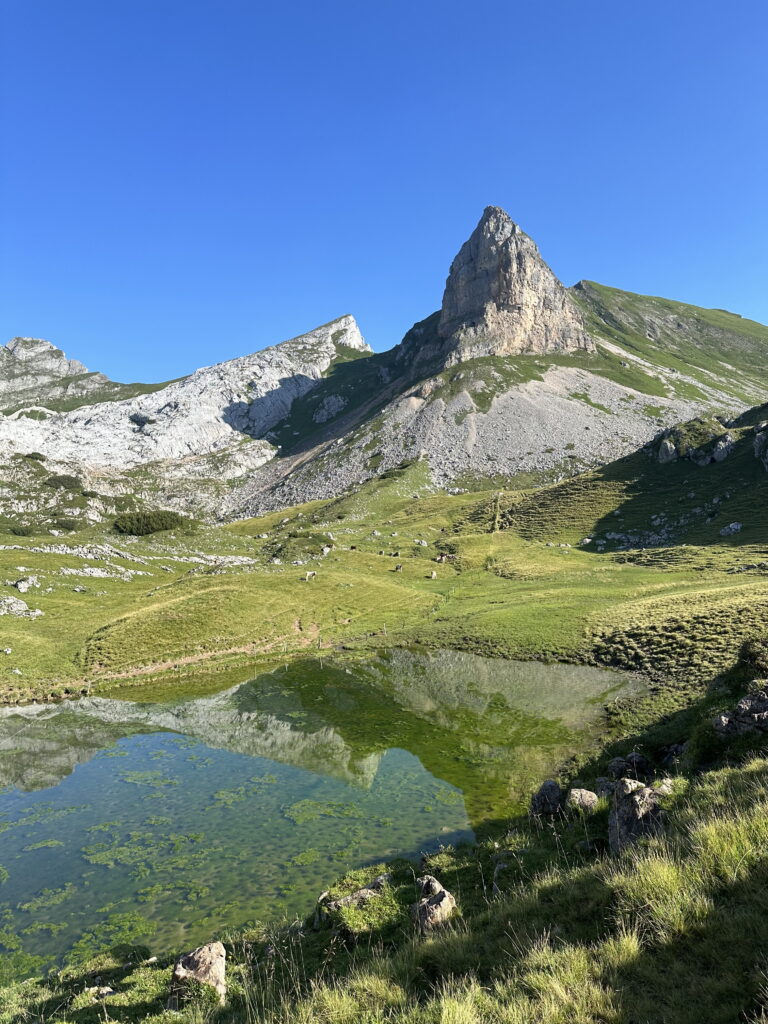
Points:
(139, 524)
(36, 456)
(91, 494)
(64, 482)
(22, 531)
(66, 523)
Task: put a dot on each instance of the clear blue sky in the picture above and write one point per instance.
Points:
(184, 181)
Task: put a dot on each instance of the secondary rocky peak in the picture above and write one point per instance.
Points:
(43, 357)
(501, 298)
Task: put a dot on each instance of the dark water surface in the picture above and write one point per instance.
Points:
(169, 821)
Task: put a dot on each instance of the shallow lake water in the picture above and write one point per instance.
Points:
(168, 821)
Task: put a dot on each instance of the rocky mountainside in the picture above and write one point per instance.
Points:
(36, 376)
(515, 378)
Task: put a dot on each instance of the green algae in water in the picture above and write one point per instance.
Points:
(264, 793)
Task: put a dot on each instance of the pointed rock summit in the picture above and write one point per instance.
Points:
(502, 299)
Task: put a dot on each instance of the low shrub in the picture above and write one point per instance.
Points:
(22, 531)
(35, 456)
(139, 524)
(66, 523)
(63, 482)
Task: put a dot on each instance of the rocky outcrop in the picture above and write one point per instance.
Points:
(205, 965)
(635, 813)
(435, 906)
(749, 715)
(502, 299)
(15, 606)
(210, 411)
(326, 907)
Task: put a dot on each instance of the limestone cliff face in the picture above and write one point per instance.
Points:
(33, 370)
(502, 299)
(215, 408)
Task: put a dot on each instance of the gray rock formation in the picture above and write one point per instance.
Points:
(209, 412)
(435, 905)
(635, 813)
(583, 800)
(548, 799)
(502, 299)
(749, 715)
(206, 965)
(15, 606)
(275, 428)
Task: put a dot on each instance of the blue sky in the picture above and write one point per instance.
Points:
(184, 181)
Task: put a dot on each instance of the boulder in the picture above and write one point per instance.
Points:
(730, 529)
(548, 799)
(667, 451)
(205, 965)
(604, 786)
(26, 583)
(434, 907)
(583, 800)
(749, 715)
(634, 765)
(15, 606)
(635, 813)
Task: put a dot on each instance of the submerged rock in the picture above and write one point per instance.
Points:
(205, 965)
(435, 905)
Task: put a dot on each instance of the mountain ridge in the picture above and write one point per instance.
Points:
(515, 378)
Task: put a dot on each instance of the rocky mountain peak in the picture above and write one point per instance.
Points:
(501, 298)
(43, 357)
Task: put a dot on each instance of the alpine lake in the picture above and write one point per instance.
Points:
(170, 821)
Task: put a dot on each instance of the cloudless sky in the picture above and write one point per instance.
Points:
(184, 181)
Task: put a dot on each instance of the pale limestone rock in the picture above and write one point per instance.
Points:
(434, 907)
(206, 965)
(501, 298)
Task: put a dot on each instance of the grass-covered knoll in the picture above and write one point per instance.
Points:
(713, 347)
